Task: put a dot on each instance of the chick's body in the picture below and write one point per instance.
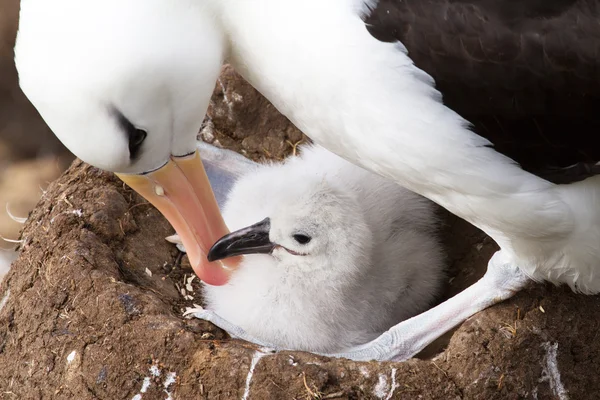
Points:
(373, 259)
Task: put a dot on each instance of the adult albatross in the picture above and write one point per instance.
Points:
(124, 84)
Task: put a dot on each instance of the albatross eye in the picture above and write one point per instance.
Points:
(136, 138)
(302, 239)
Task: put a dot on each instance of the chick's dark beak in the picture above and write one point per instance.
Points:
(253, 239)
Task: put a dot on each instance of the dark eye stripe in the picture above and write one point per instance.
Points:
(135, 136)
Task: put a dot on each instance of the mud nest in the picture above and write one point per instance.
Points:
(92, 309)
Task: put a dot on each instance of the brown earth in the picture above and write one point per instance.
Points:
(241, 119)
(93, 304)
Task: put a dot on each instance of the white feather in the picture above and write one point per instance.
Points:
(373, 260)
(19, 220)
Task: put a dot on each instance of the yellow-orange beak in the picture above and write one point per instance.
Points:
(180, 190)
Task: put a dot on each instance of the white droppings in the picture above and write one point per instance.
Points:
(394, 385)
(208, 132)
(364, 371)
(170, 379)
(4, 299)
(228, 102)
(188, 284)
(255, 359)
(148, 272)
(71, 357)
(381, 388)
(154, 371)
(159, 190)
(145, 385)
(550, 371)
(171, 376)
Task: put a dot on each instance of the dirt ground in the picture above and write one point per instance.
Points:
(92, 307)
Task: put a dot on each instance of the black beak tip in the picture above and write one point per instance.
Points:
(253, 239)
(212, 257)
(217, 252)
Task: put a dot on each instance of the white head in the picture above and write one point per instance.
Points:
(307, 223)
(125, 86)
(96, 71)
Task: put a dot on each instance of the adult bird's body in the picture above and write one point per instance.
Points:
(125, 84)
(335, 255)
(524, 73)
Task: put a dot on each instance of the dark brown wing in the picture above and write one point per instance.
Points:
(526, 73)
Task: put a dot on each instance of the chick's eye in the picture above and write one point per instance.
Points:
(302, 239)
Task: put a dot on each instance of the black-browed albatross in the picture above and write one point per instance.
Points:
(124, 84)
